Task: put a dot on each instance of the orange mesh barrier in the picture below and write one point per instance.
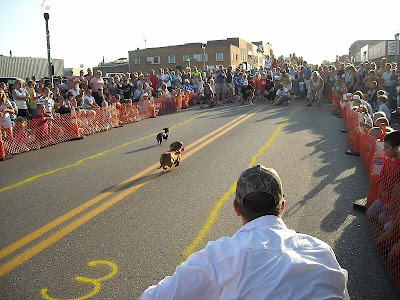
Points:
(367, 150)
(35, 134)
(352, 128)
(383, 201)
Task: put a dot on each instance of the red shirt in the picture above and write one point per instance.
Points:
(388, 178)
(41, 125)
(153, 80)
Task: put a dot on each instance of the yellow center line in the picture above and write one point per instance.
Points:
(214, 212)
(79, 162)
(19, 259)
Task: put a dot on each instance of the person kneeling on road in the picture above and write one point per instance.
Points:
(262, 260)
(282, 96)
(247, 92)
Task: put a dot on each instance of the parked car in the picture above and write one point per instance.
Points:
(10, 80)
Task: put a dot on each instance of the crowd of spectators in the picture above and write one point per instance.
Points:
(278, 81)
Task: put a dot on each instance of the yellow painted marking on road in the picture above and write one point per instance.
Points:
(79, 162)
(95, 282)
(214, 212)
(56, 222)
(40, 246)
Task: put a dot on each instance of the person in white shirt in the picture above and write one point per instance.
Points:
(262, 260)
(47, 101)
(383, 106)
(89, 102)
(75, 90)
(282, 95)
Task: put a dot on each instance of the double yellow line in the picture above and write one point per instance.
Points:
(60, 233)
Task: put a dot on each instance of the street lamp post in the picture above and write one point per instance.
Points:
(203, 46)
(396, 38)
(46, 10)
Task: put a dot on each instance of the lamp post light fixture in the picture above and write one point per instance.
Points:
(203, 46)
(396, 37)
(46, 15)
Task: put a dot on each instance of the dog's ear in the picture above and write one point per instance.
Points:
(176, 145)
(166, 129)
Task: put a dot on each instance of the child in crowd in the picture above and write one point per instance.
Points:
(388, 178)
(384, 106)
(21, 137)
(239, 84)
(337, 97)
(40, 126)
(297, 86)
(302, 89)
(372, 94)
(374, 131)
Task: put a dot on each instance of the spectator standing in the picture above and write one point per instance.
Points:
(97, 83)
(71, 79)
(269, 89)
(306, 75)
(229, 84)
(262, 260)
(370, 78)
(5, 121)
(355, 79)
(32, 98)
(153, 79)
(21, 97)
(220, 81)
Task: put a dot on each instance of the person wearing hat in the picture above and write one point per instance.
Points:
(248, 92)
(262, 260)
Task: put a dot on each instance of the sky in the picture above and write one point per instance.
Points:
(83, 31)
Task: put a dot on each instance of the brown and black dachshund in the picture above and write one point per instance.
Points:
(171, 157)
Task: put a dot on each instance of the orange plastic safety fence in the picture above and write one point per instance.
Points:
(383, 201)
(352, 128)
(39, 133)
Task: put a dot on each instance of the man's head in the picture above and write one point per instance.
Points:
(258, 193)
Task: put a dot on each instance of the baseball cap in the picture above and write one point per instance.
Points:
(117, 96)
(259, 187)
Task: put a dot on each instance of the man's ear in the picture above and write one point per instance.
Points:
(283, 206)
(236, 208)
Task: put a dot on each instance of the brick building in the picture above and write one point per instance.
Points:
(232, 51)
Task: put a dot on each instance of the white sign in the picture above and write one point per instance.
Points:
(391, 50)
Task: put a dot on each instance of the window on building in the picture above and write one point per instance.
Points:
(236, 57)
(186, 57)
(171, 59)
(200, 57)
(219, 57)
(153, 60)
(136, 60)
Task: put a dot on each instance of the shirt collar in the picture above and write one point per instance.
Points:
(270, 221)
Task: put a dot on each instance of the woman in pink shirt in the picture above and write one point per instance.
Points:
(97, 83)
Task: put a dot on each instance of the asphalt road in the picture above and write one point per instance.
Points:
(103, 200)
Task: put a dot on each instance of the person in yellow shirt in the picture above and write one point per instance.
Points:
(32, 98)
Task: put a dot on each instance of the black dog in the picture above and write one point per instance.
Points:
(162, 135)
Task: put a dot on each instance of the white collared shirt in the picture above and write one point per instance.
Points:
(262, 260)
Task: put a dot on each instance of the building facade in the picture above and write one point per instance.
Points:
(232, 51)
(374, 50)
